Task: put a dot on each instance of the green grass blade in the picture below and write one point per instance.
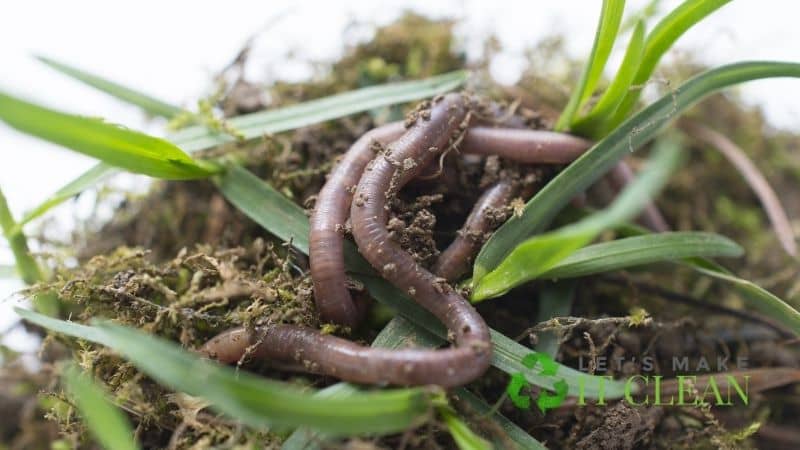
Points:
(540, 253)
(254, 400)
(555, 300)
(131, 150)
(147, 103)
(108, 424)
(755, 296)
(519, 438)
(641, 250)
(27, 267)
(274, 121)
(629, 136)
(659, 40)
(465, 438)
(267, 207)
(86, 181)
(256, 125)
(606, 34)
(612, 97)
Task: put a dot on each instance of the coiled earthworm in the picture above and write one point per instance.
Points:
(326, 253)
(454, 260)
(333, 300)
(434, 131)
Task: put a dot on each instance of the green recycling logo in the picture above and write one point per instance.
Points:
(545, 400)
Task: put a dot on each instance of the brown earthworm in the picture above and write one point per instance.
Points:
(454, 260)
(326, 253)
(333, 300)
(433, 132)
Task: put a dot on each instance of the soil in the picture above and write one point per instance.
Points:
(184, 264)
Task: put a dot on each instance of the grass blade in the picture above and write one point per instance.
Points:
(108, 424)
(86, 181)
(465, 438)
(540, 253)
(248, 193)
(148, 104)
(659, 40)
(632, 134)
(754, 296)
(131, 150)
(754, 178)
(518, 437)
(604, 37)
(254, 400)
(258, 124)
(611, 98)
(27, 267)
(641, 250)
(555, 300)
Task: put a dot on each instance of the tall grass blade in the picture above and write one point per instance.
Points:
(555, 300)
(148, 104)
(606, 34)
(629, 136)
(107, 423)
(754, 178)
(540, 253)
(131, 150)
(256, 125)
(254, 400)
(27, 267)
(641, 250)
(465, 438)
(659, 40)
(611, 98)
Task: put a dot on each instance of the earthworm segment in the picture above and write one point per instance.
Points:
(362, 187)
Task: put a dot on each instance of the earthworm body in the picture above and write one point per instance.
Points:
(363, 184)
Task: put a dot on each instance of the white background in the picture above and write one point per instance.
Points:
(170, 49)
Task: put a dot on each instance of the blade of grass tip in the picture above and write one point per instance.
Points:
(646, 13)
(148, 104)
(659, 40)
(270, 209)
(754, 178)
(131, 150)
(540, 253)
(555, 300)
(251, 399)
(637, 251)
(611, 98)
(629, 136)
(464, 437)
(753, 295)
(606, 34)
(27, 267)
(107, 423)
(278, 120)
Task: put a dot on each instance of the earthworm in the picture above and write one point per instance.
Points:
(454, 260)
(333, 300)
(326, 253)
(432, 133)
